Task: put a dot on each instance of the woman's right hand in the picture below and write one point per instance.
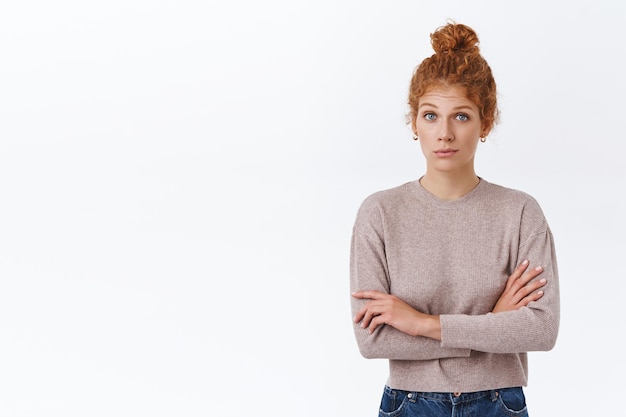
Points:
(520, 288)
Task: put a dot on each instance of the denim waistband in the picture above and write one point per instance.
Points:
(457, 397)
(454, 397)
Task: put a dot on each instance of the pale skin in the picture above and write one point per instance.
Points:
(449, 129)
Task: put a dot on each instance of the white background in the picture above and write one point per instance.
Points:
(178, 182)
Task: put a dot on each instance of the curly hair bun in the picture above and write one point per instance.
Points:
(454, 37)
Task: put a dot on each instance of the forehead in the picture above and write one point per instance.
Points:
(448, 96)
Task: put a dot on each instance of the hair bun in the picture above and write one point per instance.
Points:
(454, 37)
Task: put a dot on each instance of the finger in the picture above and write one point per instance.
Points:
(360, 314)
(531, 297)
(371, 294)
(371, 310)
(527, 289)
(375, 323)
(521, 268)
(534, 286)
(367, 319)
(517, 273)
(376, 313)
(528, 276)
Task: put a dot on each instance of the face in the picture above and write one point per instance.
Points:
(449, 128)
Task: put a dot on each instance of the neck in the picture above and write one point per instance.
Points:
(448, 186)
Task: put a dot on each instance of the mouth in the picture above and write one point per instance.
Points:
(443, 153)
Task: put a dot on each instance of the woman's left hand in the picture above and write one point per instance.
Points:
(383, 308)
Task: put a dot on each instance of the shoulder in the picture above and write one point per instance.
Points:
(513, 201)
(507, 195)
(390, 197)
(380, 204)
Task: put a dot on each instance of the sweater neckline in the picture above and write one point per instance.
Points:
(426, 196)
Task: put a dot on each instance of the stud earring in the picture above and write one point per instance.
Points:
(416, 137)
(483, 139)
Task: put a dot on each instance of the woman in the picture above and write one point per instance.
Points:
(454, 278)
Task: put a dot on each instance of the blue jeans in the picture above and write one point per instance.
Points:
(505, 402)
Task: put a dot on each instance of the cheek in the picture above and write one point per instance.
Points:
(420, 126)
(424, 148)
(472, 147)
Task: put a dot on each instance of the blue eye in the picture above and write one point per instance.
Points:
(462, 117)
(430, 116)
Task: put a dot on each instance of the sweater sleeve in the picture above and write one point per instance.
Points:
(369, 271)
(531, 328)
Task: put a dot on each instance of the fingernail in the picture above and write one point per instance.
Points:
(542, 280)
(525, 262)
(540, 292)
(538, 268)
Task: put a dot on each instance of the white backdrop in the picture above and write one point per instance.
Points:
(178, 182)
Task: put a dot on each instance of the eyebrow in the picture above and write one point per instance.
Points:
(463, 107)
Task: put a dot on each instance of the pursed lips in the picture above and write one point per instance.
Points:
(445, 152)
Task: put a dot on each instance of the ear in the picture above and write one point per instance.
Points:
(414, 124)
(485, 130)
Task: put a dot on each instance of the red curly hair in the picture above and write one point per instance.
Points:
(457, 62)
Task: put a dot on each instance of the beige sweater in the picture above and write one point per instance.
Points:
(452, 258)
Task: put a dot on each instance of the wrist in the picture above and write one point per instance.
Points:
(429, 326)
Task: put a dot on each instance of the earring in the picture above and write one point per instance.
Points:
(483, 139)
(416, 137)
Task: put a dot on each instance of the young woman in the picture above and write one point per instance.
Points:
(454, 278)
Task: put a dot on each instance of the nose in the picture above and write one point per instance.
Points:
(446, 133)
